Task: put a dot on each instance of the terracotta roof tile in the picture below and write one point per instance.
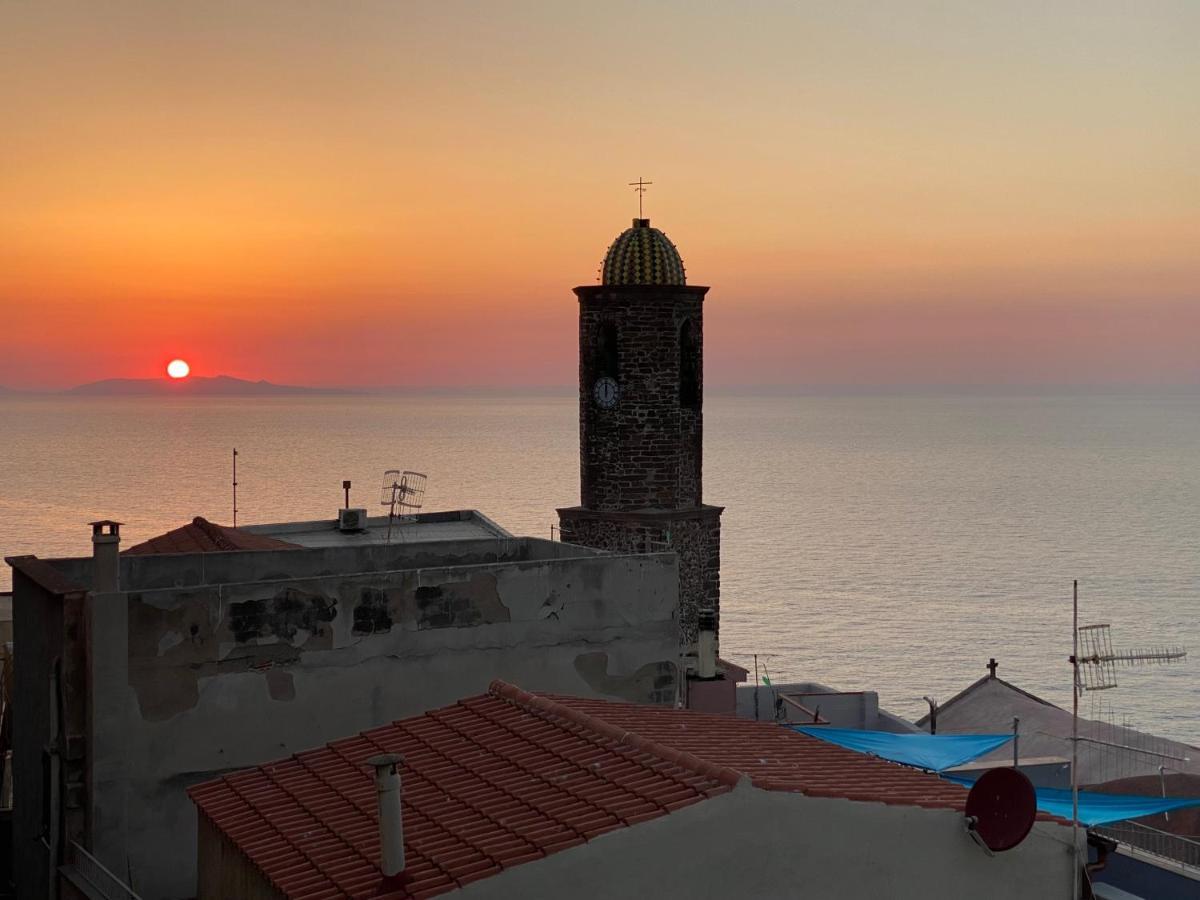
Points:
(770, 756)
(505, 778)
(203, 536)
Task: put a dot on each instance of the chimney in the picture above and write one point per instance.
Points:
(706, 644)
(106, 562)
(391, 818)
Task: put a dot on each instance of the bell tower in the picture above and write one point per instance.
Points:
(641, 398)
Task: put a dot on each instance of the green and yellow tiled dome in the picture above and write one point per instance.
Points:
(642, 255)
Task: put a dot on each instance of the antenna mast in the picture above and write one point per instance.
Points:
(1096, 670)
(1075, 737)
(235, 487)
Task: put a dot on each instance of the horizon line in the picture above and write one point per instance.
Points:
(719, 388)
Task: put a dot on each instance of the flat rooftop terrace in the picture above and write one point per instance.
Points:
(449, 526)
(316, 549)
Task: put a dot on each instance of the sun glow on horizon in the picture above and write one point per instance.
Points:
(927, 193)
(177, 368)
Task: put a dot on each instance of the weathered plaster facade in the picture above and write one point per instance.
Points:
(208, 663)
(694, 534)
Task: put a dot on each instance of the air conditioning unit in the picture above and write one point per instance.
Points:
(352, 519)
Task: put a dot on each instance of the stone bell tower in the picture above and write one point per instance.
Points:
(641, 396)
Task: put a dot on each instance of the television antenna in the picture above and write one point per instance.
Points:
(1096, 670)
(1098, 661)
(403, 494)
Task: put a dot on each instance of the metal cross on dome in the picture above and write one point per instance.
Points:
(640, 187)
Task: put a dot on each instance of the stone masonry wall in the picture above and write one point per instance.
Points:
(645, 452)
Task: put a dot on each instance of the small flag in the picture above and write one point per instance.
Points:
(767, 680)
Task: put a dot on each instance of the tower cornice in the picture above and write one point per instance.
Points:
(603, 291)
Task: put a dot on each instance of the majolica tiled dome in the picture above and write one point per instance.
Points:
(642, 255)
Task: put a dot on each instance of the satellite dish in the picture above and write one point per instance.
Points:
(1001, 808)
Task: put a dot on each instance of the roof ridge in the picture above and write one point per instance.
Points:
(546, 707)
(216, 533)
(942, 707)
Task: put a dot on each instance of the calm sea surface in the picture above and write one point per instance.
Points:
(891, 543)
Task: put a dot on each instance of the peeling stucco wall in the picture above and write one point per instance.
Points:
(194, 681)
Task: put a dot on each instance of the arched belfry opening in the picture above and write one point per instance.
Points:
(689, 365)
(606, 359)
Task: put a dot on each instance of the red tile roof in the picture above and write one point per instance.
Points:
(45, 575)
(203, 536)
(772, 758)
(508, 777)
(733, 669)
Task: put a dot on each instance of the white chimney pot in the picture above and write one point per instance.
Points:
(391, 818)
(106, 556)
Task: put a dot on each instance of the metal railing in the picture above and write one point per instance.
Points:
(1174, 847)
(104, 884)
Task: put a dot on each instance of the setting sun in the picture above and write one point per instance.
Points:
(177, 368)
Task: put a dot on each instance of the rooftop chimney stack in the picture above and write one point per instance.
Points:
(106, 561)
(706, 643)
(391, 818)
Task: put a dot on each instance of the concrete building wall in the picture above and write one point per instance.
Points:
(694, 534)
(224, 872)
(38, 620)
(194, 681)
(764, 844)
(839, 709)
(1147, 875)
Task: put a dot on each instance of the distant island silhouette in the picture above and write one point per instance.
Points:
(192, 386)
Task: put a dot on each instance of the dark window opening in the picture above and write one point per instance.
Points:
(606, 350)
(689, 366)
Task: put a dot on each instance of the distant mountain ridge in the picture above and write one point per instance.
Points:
(192, 386)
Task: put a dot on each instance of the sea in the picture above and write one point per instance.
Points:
(890, 542)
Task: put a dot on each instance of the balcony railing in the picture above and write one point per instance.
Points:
(1174, 847)
(87, 874)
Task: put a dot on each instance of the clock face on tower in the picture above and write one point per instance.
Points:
(606, 392)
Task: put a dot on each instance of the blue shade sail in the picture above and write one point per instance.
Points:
(1098, 809)
(934, 752)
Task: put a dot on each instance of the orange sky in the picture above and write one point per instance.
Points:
(396, 193)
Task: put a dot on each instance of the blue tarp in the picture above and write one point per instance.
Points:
(934, 752)
(1099, 809)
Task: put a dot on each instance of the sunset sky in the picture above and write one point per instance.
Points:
(405, 193)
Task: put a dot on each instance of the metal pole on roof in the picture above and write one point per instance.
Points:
(1162, 778)
(755, 687)
(1075, 739)
(235, 487)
